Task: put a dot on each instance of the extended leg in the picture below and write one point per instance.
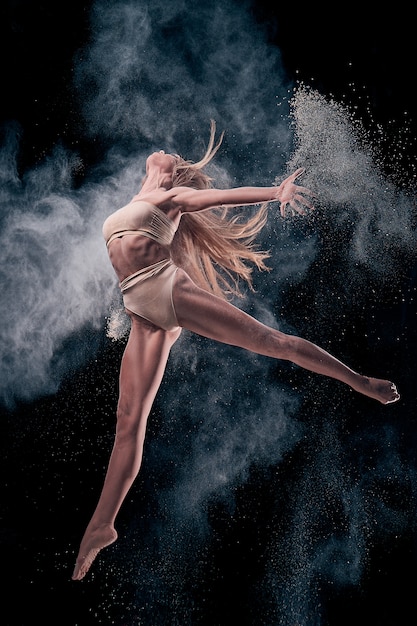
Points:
(141, 372)
(212, 317)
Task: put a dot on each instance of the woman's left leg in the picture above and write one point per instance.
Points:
(142, 368)
(210, 316)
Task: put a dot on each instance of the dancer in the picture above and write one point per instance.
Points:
(178, 255)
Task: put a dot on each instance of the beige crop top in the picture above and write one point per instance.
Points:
(140, 218)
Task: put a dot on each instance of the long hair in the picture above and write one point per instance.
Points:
(212, 246)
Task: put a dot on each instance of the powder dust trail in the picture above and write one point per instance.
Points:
(53, 266)
(178, 65)
(342, 166)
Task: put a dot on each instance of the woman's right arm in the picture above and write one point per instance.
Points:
(287, 193)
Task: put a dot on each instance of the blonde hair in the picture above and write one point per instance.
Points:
(212, 246)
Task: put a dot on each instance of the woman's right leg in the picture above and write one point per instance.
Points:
(142, 368)
(210, 316)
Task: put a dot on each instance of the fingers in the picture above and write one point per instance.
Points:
(297, 173)
(291, 208)
(297, 208)
(305, 190)
(305, 201)
(297, 204)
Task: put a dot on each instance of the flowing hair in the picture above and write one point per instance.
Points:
(212, 246)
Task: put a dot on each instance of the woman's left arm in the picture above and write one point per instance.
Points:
(287, 194)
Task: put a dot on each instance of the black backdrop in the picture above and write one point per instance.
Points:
(50, 480)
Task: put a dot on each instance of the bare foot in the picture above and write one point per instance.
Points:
(93, 541)
(382, 390)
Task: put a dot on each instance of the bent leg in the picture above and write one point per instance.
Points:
(142, 368)
(212, 317)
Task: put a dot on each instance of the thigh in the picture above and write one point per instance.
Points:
(210, 316)
(143, 365)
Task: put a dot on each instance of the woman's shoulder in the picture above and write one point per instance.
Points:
(163, 199)
(159, 196)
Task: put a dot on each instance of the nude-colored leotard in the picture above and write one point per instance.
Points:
(148, 292)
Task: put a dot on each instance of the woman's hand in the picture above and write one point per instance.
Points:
(289, 195)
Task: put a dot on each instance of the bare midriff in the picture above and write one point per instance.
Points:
(130, 253)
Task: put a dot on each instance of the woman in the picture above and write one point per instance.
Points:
(163, 246)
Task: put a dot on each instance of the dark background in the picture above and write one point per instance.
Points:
(366, 60)
(363, 58)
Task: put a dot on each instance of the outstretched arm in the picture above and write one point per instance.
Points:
(287, 194)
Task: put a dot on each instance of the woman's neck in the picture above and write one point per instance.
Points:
(157, 180)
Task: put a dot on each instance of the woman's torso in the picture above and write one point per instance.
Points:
(130, 248)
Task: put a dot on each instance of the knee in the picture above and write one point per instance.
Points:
(284, 346)
(131, 422)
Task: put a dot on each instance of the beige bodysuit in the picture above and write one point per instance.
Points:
(148, 292)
